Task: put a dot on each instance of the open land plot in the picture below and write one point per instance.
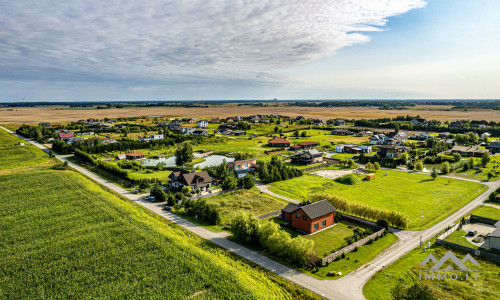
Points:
(460, 237)
(492, 166)
(30, 115)
(407, 268)
(414, 195)
(332, 239)
(63, 235)
(13, 155)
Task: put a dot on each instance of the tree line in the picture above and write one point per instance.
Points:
(275, 171)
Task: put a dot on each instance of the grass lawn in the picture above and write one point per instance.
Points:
(414, 195)
(63, 236)
(406, 270)
(252, 201)
(13, 155)
(458, 237)
(487, 212)
(493, 165)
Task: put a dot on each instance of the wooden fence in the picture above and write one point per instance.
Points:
(270, 214)
(351, 247)
(332, 163)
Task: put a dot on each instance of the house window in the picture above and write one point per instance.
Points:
(304, 217)
(323, 223)
(297, 215)
(316, 226)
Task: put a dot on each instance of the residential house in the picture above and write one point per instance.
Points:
(278, 142)
(242, 167)
(468, 151)
(418, 121)
(202, 124)
(342, 132)
(72, 140)
(339, 123)
(215, 120)
(378, 139)
(421, 136)
(135, 155)
(229, 120)
(398, 137)
(443, 135)
(180, 178)
(308, 157)
(187, 130)
(486, 135)
(318, 122)
(299, 118)
(304, 145)
(174, 125)
(239, 132)
(353, 149)
(157, 137)
(495, 146)
(121, 156)
(493, 238)
(364, 133)
(456, 124)
(65, 135)
(392, 151)
(310, 218)
(200, 133)
(44, 124)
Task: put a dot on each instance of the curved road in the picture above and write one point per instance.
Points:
(348, 287)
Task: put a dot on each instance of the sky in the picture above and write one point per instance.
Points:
(286, 49)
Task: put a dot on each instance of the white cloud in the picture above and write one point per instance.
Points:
(178, 42)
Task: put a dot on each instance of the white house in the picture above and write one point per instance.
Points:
(202, 124)
(157, 137)
(366, 149)
(187, 130)
(378, 139)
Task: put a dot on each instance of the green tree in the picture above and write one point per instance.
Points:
(419, 166)
(434, 173)
(404, 156)
(457, 157)
(158, 193)
(230, 182)
(445, 167)
(248, 181)
(184, 154)
(376, 166)
(485, 159)
(303, 134)
(245, 227)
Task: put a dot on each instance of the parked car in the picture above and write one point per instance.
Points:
(150, 198)
(167, 208)
(472, 233)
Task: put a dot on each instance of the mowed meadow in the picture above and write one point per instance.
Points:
(63, 236)
(14, 155)
(412, 194)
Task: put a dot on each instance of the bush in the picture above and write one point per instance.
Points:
(383, 224)
(349, 179)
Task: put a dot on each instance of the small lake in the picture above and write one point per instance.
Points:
(210, 161)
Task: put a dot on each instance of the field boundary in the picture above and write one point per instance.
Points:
(270, 214)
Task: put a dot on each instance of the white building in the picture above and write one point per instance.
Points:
(156, 137)
(187, 130)
(202, 124)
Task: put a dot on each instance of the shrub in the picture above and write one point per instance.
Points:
(349, 179)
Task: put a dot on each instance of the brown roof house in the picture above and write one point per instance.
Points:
(392, 151)
(278, 142)
(308, 157)
(310, 218)
(180, 178)
(242, 167)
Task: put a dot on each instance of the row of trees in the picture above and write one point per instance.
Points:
(300, 251)
(276, 171)
(394, 218)
(203, 211)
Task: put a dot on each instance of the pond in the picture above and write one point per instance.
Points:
(212, 160)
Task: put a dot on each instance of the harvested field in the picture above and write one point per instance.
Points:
(65, 114)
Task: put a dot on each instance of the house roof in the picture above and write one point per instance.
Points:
(278, 141)
(193, 178)
(290, 208)
(241, 162)
(392, 147)
(318, 209)
(134, 154)
(66, 134)
(313, 152)
(310, 143)
(495, 233)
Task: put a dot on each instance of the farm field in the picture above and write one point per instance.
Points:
(30, 115)
(13, 155)
(406, 270)
(414, 195)
(49, 218)
(487, 212)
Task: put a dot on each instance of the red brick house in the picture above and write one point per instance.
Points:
(65, 135)
(310, 218)
(278, 142)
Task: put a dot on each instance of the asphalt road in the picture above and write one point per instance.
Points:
(347, 287)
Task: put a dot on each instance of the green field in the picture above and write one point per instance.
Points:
(458, 237)
(487, 212)
(406, 270)
(414, 195)
(13, 155)
(65, 237)
(493, 166)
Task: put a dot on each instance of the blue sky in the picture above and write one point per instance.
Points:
(163, 50)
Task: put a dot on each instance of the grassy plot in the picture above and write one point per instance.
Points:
(414, 195)
(458, 237)
(65, 237)
(487, 212)
(13, 155)
(406, 270)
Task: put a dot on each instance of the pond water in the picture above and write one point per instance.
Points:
(212, 160)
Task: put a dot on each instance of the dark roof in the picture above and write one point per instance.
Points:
(495, 233)
(318, 209)
(290, 207)
(195, 178)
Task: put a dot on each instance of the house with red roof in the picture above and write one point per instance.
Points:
(65, 135)
(279, 142)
